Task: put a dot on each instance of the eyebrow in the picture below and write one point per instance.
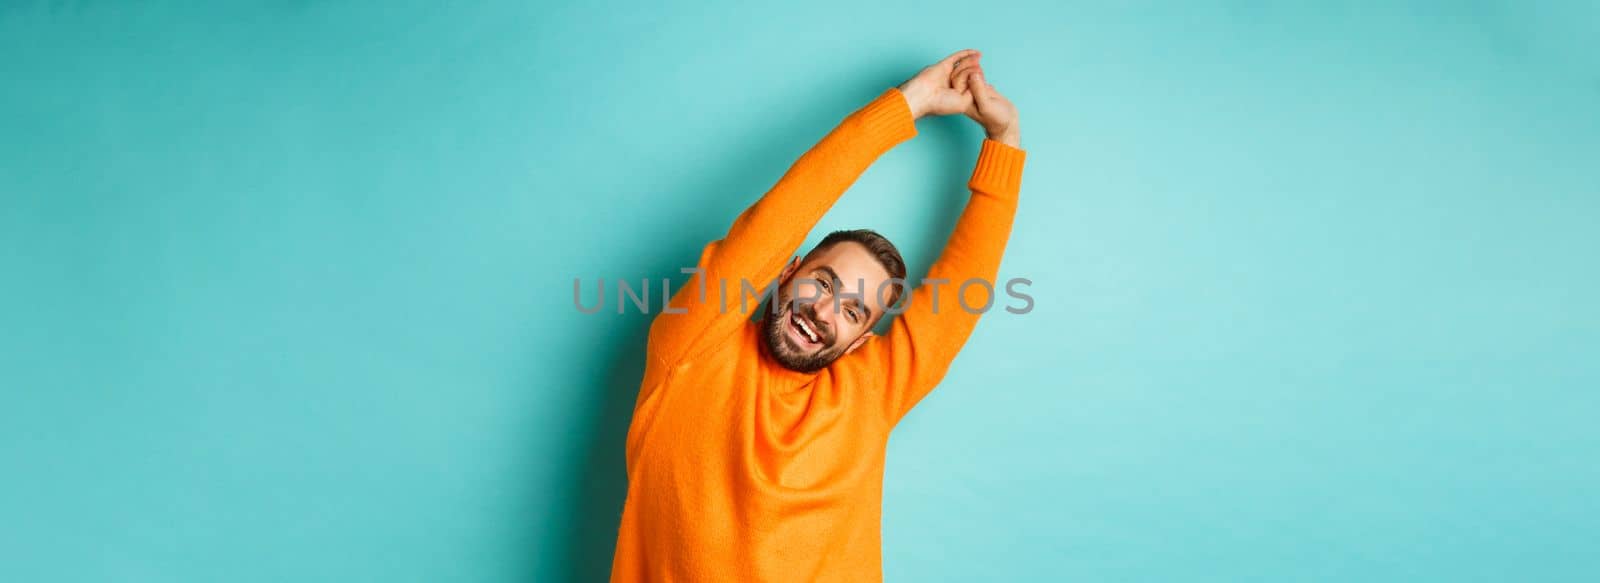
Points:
(865, 311)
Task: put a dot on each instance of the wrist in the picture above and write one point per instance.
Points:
(1009, 136)
(914, 99)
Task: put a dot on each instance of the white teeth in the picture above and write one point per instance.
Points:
(805, 328)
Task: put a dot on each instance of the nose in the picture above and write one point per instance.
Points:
(824, 309)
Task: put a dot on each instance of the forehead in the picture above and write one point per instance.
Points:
(852, 262)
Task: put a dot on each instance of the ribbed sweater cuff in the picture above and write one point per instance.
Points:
(999, 170)
(887, 120)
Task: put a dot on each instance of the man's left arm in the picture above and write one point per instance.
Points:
(922, 342)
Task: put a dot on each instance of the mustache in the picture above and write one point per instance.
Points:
(809, 312)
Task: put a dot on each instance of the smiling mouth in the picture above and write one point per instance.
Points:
(804, 328)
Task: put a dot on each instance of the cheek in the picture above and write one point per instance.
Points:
(847, 333)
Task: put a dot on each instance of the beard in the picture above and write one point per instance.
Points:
(783, 348)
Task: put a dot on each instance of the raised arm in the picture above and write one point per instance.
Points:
(912, 358)
(766, 235)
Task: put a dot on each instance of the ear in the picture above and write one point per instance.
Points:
(859, 342)
(788, 270)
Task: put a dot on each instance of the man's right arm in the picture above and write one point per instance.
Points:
(709, 306)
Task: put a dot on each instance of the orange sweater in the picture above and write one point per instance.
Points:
(741, 470)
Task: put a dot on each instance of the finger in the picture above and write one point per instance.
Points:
(960, 64)
(963, 68)
(974, 109)
(950, 61)
(981, 91)
(959, 80)
(962, 81)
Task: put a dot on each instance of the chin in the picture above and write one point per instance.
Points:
(786, 353)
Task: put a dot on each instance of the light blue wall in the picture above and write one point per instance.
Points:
(287, 286)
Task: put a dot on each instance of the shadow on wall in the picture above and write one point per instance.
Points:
(586, 531)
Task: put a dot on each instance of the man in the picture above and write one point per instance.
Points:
(756, 449)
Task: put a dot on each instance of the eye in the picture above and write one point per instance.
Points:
(851, 312)
(826, 285)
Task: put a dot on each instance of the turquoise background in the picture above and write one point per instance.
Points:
(288, 285)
